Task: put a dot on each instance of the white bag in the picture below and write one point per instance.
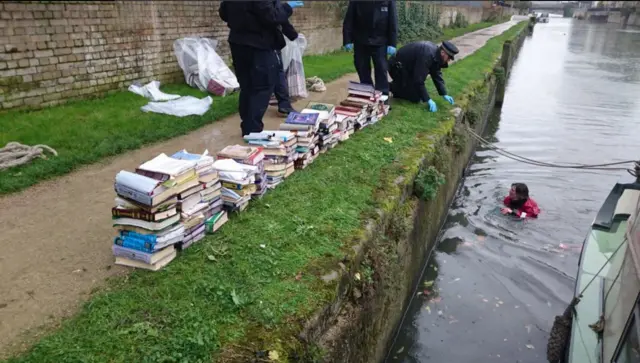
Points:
(203, 67)
(293, 66)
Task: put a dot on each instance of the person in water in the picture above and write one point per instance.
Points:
(519, 204)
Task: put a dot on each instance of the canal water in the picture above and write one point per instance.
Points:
(492, 286)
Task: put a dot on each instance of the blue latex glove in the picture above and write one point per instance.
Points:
(448, 98)
(391, 50)
(349, 47)
(432, 106)
(295, 4)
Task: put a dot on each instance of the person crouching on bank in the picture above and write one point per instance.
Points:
(412, 64)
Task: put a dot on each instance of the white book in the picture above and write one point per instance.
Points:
(167, 165)
(139, 182)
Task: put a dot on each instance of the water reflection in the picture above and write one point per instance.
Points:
(493, 285)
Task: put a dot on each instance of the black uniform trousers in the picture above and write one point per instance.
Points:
(282, 88)
(362, 57)
(257, 73)
(402, 85)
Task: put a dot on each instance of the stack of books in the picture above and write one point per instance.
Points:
(279, 149)
(238, 183)
(346, 118)
(187, 187)
(365, 97)
(252, 156)
(208, 197)
(147, 220)
(305, 126)
(329, 133)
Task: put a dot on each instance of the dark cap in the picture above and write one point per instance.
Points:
(450, 49)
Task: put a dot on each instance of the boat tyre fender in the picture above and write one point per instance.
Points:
(560, 334)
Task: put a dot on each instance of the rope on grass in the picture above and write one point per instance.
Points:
(15, 153)
(315, 84)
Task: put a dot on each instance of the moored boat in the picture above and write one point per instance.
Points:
(602, 323)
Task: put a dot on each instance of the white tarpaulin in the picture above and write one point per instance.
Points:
(203, 67)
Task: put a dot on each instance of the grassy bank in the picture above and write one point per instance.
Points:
(87, 131)
(252, 285)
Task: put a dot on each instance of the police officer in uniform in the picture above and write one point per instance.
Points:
(254, 37)
(411, 65)
(370, 28)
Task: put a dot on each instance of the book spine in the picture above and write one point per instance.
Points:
(150, 238)
(233, 186)
(125, 213)
(135, 244)
(133, 194)
(305, 122)
(119, 251)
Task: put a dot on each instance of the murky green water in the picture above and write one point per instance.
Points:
(493, 285)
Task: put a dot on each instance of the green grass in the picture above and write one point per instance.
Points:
(228, 289)
(87, 131)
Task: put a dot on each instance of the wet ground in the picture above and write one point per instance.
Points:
(493, 285)
(56, 235)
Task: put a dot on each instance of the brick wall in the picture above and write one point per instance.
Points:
(53, 51)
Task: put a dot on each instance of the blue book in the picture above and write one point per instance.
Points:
(135, 244)
(151, 238)
(297, 118)
(183, 155)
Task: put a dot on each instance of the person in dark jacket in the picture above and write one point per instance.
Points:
(370, 28)
(255, 36)
(412, 64)
(282, 89)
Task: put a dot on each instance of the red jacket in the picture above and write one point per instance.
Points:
(530, 207)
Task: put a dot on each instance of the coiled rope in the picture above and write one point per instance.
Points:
(15, 153)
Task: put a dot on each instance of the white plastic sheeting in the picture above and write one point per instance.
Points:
(152, 91)
(183, 106)
(203, 67)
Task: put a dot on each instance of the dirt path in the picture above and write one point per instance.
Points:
(56, 235)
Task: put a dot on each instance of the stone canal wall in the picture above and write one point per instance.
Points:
(358, 326)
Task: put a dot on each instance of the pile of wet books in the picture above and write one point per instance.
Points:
(305, 127)
(328, 129)
(238, 183)
(209, 194)
(188, 196)
(346, 118)
(279, 149)
(146, 212)
(252, 156)
(365, 98)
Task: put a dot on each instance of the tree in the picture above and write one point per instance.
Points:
(522, 5)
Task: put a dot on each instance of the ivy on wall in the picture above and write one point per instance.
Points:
(460, 21)
(417, 20)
